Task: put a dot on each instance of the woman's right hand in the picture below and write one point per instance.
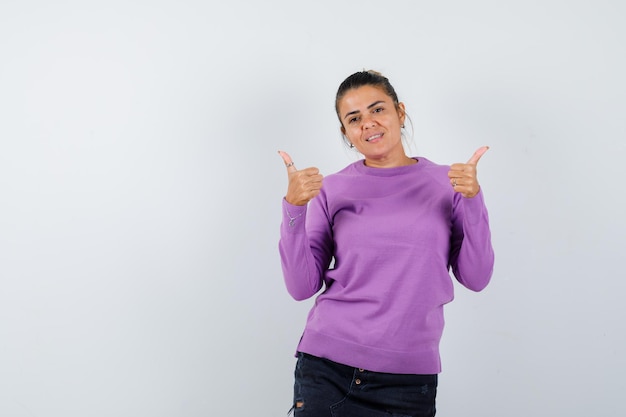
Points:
(304, 185)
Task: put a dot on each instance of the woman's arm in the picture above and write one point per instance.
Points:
(305, 247)
(471, 254)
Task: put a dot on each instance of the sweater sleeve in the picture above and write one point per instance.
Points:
(305, 247)
(471, 254)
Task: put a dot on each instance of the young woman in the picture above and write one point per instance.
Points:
(380, 237)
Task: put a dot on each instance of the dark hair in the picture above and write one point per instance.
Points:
(362, 78)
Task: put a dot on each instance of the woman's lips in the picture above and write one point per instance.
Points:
(374, 138)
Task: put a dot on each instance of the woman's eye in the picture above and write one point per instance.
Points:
(353, 120)
(378, 110)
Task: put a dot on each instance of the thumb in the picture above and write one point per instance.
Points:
(288, 162)
(477, 155)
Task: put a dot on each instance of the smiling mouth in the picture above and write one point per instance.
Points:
(371, 138)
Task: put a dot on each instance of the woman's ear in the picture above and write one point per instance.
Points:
(401, 113)
(345, 138)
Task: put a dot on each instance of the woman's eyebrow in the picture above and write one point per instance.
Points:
(376, 103)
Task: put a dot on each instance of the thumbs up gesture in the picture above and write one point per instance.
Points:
(463, 176)
(304, 185)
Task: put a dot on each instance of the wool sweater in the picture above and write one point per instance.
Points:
(381, 243)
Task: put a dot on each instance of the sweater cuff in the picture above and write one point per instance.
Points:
(474, 208)
(293, 216)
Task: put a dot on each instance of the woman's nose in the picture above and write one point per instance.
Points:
(368, 123)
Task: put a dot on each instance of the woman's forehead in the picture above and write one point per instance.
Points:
(364, 96)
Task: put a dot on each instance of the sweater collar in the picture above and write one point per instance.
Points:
(389, 172)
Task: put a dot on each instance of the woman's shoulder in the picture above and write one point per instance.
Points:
(438, 173)
(347, 171)
(427, 163)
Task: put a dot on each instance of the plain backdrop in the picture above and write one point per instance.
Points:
(140, 191)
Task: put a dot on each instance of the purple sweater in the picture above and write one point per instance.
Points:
(381, 241)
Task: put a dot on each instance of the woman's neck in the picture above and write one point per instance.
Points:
(389, 162)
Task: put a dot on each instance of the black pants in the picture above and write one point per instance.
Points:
(324, 388)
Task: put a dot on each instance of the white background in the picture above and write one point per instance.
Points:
(140, 192)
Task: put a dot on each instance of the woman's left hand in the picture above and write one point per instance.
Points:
(463, 176)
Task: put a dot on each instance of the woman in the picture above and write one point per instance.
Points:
(380, 236)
